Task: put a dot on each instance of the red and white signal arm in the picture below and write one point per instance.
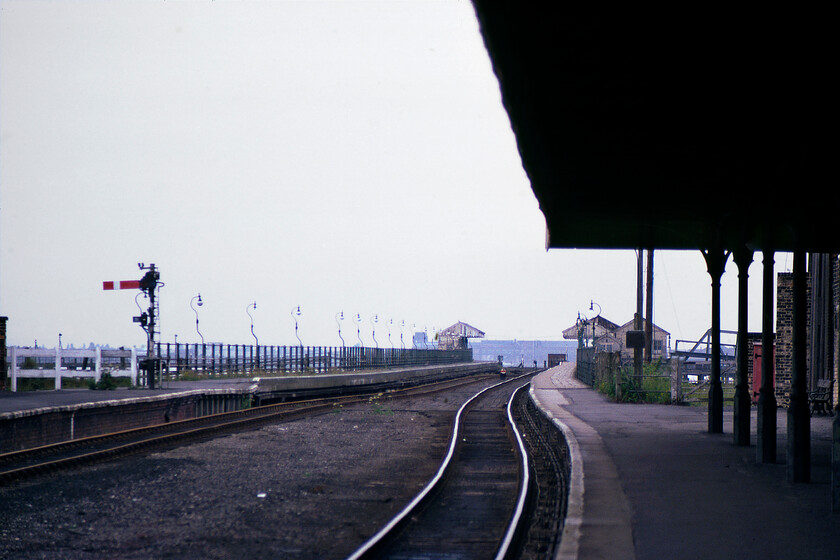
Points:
(123, 285)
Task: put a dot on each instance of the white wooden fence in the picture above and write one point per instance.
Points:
(119, 363)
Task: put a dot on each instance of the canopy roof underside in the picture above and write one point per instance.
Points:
(671, 130)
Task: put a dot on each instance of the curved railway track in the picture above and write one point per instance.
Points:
(474, 506)
(550, 465)
(18, 465)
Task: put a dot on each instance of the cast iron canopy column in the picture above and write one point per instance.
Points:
(715, 263)
(741, 415)
(765, 451)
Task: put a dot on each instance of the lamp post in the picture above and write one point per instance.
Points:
(199, 303)
(593, 303)
(358, 320)
(373, 321)
(256, 340)
(247, 310)
(338, 318)
(402, 327)
(390, 324)
(295, 314)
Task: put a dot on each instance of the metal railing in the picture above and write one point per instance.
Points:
(217, 360)
(226, 359)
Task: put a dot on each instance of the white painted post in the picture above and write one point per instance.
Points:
(57, 368)
(13, 355)
(98, 357)
(133, 366)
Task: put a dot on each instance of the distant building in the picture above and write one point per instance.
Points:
(457, 336)
(421, 341)
(586, 330)
(514, 352)
(659, 346)
(606, 336)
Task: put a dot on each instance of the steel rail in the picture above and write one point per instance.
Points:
(549, 464)
(380, 536)
(524, 484)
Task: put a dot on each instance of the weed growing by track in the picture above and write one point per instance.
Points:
(377, 406)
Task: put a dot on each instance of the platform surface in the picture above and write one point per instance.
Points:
(663, 487)
(30, 400)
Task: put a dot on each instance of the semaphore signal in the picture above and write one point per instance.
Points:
(149, 319)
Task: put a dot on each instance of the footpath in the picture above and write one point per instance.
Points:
(656, 485)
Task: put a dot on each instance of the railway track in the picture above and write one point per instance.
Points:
(476, 504)
(549, 454)
(19, 465)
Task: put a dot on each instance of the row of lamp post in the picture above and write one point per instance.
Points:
(374, 320)
(196, 300)
(296, 313)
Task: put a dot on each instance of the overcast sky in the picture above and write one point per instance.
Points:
(340, 156)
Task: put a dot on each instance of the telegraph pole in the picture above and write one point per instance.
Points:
(637, 322)
(649, 309)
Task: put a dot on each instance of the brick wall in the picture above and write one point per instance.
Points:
(34, 428)
(784, 336)
(784, 331)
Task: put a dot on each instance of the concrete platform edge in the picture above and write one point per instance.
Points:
(570, 539)
(118, 402)
(599, 518)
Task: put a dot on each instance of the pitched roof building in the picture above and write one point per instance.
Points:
(457, 336)
(609, 337)
(585, 330)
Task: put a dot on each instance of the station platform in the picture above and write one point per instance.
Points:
(37, 418)
(26, 401)
(652, 483)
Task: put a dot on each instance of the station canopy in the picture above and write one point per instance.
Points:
(700, 128)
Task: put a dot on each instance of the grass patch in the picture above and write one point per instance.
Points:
(106, 383)
(36, 383)
(655, 386)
